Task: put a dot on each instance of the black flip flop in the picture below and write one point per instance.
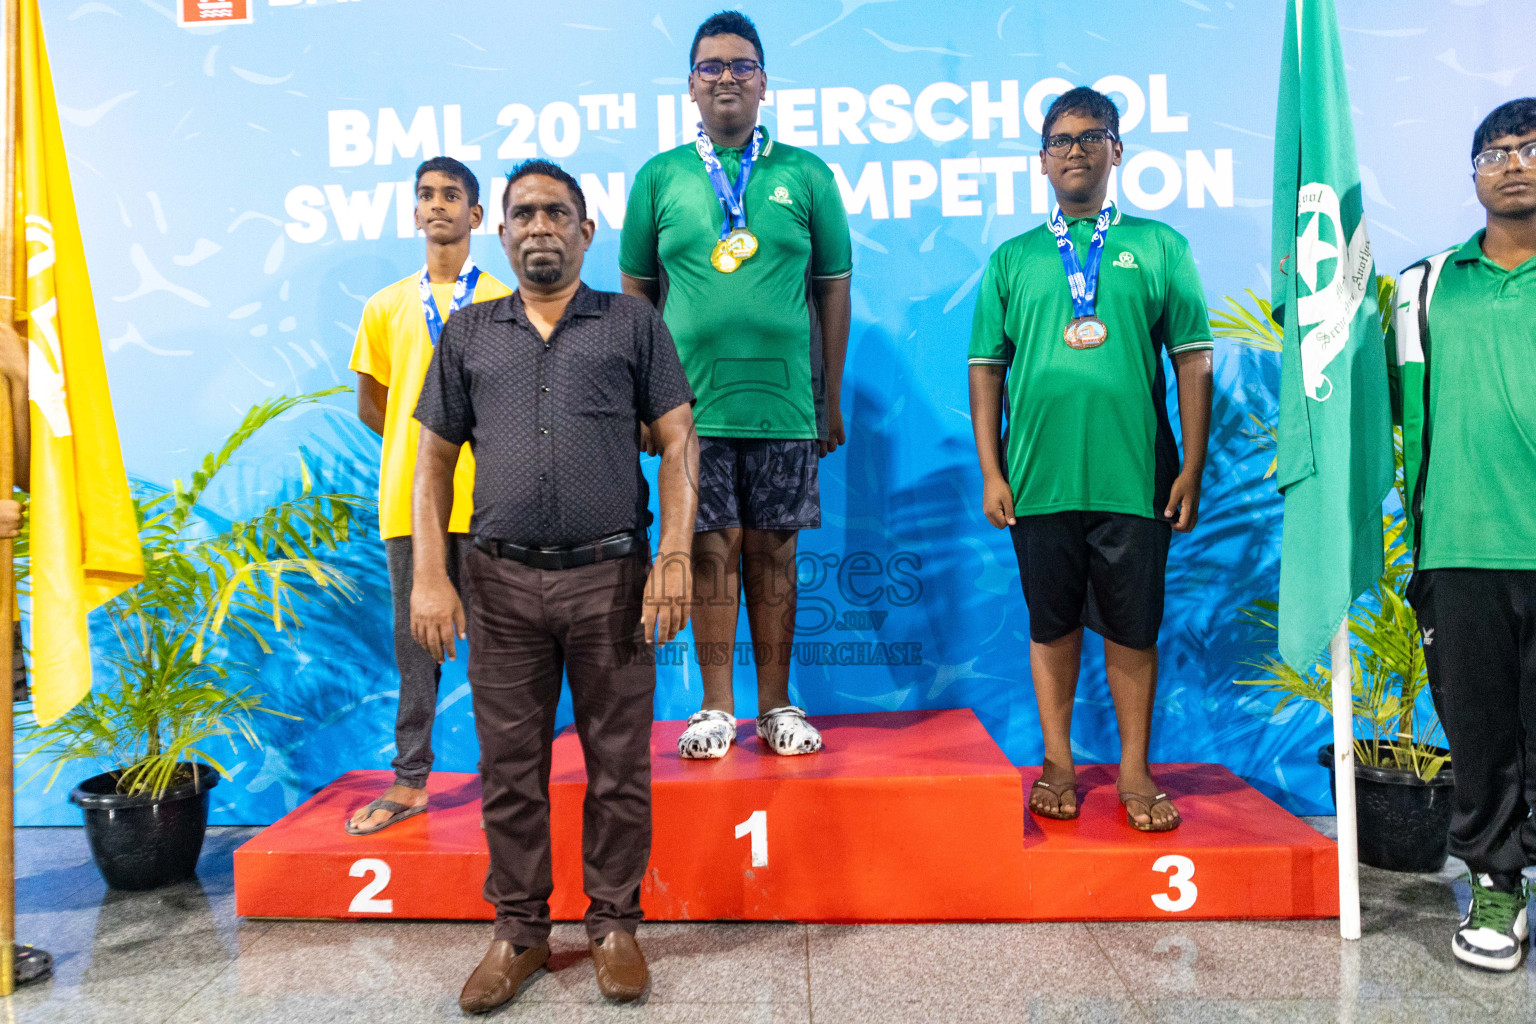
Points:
(397, 812)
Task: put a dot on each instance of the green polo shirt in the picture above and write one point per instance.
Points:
(749, 340)
(1480, 496)
(1088, 429)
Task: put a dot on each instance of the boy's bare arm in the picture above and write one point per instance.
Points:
(372, 400)
(1195, 387)
(987, 422)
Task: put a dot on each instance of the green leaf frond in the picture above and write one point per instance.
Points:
(259, 415)
(173, 687)
(1393, 727)
(1252, 324)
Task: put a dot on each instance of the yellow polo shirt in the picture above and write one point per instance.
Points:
(394, 348)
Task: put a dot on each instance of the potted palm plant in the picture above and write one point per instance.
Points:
(173, 687)
(1403, 777)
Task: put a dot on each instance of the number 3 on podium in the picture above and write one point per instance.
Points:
(1181, 872)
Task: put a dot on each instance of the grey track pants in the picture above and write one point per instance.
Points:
(419, 674)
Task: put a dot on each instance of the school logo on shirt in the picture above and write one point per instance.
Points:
(780, 195)
(1126, 261)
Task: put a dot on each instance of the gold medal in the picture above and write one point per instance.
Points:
(733, 250)
(1085, 332)
(722, 260)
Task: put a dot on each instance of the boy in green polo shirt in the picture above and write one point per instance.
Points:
(743, 243)
(1463, 361)
(1075, 315)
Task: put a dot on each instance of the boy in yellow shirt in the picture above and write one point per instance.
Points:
(401, 325)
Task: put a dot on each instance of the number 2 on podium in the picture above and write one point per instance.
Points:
(756, 826)
(364, 902)
(1181, 872)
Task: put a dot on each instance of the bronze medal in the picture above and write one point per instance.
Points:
(1085, 332)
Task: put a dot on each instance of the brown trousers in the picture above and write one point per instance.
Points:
(526, 628)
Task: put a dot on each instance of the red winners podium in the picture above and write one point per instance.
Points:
(904, 816)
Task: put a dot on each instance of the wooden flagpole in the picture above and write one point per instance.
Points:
(12, 21)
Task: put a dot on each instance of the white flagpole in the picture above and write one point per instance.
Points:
(1344, 782)
(1343, 727)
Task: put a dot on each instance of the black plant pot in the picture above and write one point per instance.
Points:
(142, 842)
(1403, 822)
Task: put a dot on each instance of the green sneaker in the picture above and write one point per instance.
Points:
(1492, 935)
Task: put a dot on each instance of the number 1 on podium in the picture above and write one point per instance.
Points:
(756, 826)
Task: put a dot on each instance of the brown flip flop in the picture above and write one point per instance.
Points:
(398, 812)
(1058, 791)
(1151, 801)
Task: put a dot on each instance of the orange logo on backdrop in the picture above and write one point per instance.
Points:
(213, 12)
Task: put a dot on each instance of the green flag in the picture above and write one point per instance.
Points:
(1335, 438)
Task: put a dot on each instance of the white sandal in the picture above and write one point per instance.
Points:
(708, 736)
(787, 732)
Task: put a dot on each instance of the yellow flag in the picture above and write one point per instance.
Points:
(84, 540)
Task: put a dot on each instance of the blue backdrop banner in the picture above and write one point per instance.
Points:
(244, 185)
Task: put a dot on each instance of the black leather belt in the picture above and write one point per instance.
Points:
(606, 550)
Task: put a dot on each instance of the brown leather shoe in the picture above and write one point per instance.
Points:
(500, 975)
(621, 972)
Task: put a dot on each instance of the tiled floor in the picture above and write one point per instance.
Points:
(179, 955)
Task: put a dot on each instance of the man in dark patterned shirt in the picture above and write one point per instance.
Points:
(549, 386)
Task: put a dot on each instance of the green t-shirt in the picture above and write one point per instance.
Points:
(749, 341)
(1480, 497)
(1088, 429)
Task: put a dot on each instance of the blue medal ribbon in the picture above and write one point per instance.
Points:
(1082, 278)
(463, 295)
(729, 195)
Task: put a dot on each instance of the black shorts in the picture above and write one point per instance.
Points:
(1103, 570)
(758, 483)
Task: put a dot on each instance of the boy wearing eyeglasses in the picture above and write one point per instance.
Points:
(743, 244)
(1075, 316)
(1462, 354)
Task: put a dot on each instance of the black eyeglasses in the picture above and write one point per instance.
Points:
(1091, 140)
(1492, 161)
(711, 70)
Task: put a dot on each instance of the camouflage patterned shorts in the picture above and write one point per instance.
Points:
(759, 484)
